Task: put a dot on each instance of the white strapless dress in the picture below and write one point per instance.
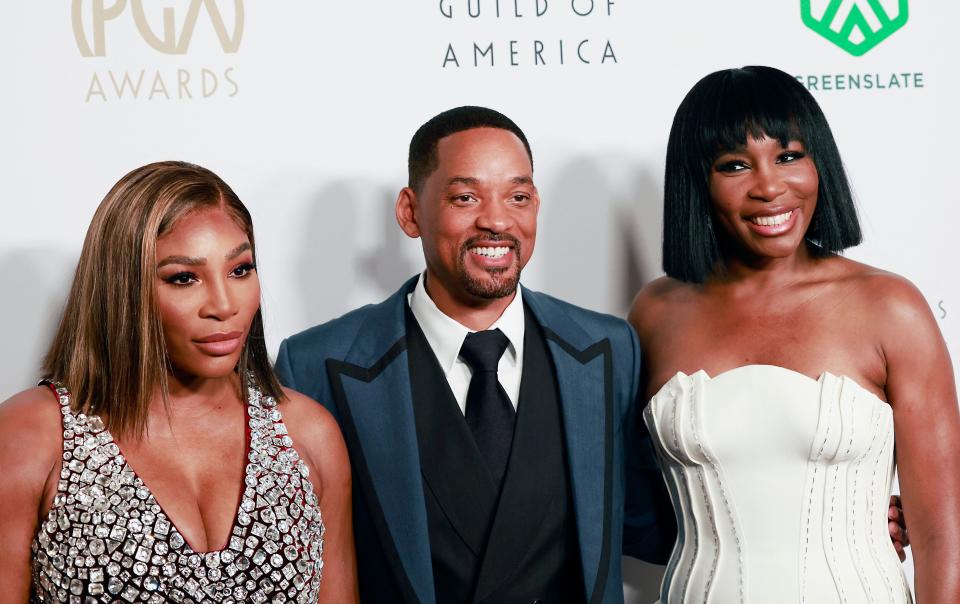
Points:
(781, 485)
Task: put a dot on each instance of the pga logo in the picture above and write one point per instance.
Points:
(97, 13)
(856, 26)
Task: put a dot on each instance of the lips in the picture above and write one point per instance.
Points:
(490, 252)
(494, 253)
(219, 344)
(773, 224)
(776, 219)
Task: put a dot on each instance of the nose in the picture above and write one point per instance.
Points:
(220, 303)
(767, 184)
(494, 216)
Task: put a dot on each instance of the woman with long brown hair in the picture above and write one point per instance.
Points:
(160, 459)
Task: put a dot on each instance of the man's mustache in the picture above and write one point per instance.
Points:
(495, 238)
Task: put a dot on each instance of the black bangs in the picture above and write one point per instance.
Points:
(718, 115)
(739, 105)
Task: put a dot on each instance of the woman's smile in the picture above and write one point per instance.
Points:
(773, 225)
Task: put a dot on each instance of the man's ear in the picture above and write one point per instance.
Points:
(406, 212)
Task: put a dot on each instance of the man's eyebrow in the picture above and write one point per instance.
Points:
(471, 181)
(182, 260)
(238, 250)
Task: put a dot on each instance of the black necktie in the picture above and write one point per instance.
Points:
(489, 412)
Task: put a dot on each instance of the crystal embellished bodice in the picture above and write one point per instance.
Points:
(106, 539)
(780, 484)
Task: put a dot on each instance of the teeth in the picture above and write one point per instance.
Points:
(490, 252)
(772, 220)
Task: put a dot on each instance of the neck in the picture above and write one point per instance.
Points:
(470, 311)
(191, 395)
(763, 273)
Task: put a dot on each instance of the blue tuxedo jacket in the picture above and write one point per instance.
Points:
(356, 366)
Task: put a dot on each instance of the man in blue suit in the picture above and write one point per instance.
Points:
(493, 430)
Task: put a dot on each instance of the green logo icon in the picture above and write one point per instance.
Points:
(856, 26)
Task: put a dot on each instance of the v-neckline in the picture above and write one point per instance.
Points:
(248, 447)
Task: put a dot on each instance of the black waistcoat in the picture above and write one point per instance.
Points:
(516, 545)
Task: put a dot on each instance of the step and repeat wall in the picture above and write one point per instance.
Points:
(306, 108)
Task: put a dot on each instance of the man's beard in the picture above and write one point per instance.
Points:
(502, 282)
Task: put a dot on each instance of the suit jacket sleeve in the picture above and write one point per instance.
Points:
(649, 523)
(283, 367)
(301, 365)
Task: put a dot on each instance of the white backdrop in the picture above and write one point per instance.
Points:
(306, 109)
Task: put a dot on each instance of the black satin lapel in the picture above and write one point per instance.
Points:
(530, 485)
(585, 380)
(378, 426)
(450, 462)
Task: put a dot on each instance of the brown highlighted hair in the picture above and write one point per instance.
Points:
(109, 348)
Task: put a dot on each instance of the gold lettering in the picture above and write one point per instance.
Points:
(125, 81)
(183, 79)
(169, 44)
(226, 76)
(96, 88)
(100, 16)
(205, 76)
(158, 86)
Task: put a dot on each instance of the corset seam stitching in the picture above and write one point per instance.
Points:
(873, 491)
(697, 406)
(815, 462)
(853, 525)
(843, 411)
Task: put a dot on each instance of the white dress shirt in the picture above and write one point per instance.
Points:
(445, 337)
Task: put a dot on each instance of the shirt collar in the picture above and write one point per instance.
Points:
(445, 335)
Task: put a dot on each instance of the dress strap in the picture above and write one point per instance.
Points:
(79, 429)
(61, 392)
(256, 398)
(64, 398)
(69, 422)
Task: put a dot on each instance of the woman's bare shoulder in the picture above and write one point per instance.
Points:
(880, 291)
(31, 434)
(657, 298)
(316, 434)
(888, 301)
(303, 411)
(664, 288)
(34, 412)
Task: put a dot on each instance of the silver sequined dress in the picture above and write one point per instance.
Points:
(107, 540)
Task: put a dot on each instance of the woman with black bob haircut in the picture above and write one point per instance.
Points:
(717, 115)
(782, 376)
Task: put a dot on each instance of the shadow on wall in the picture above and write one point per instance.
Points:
(387, 265)
(36, 284)
(603, 243)
(353, 250)
(641, 222)
(600, 245)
